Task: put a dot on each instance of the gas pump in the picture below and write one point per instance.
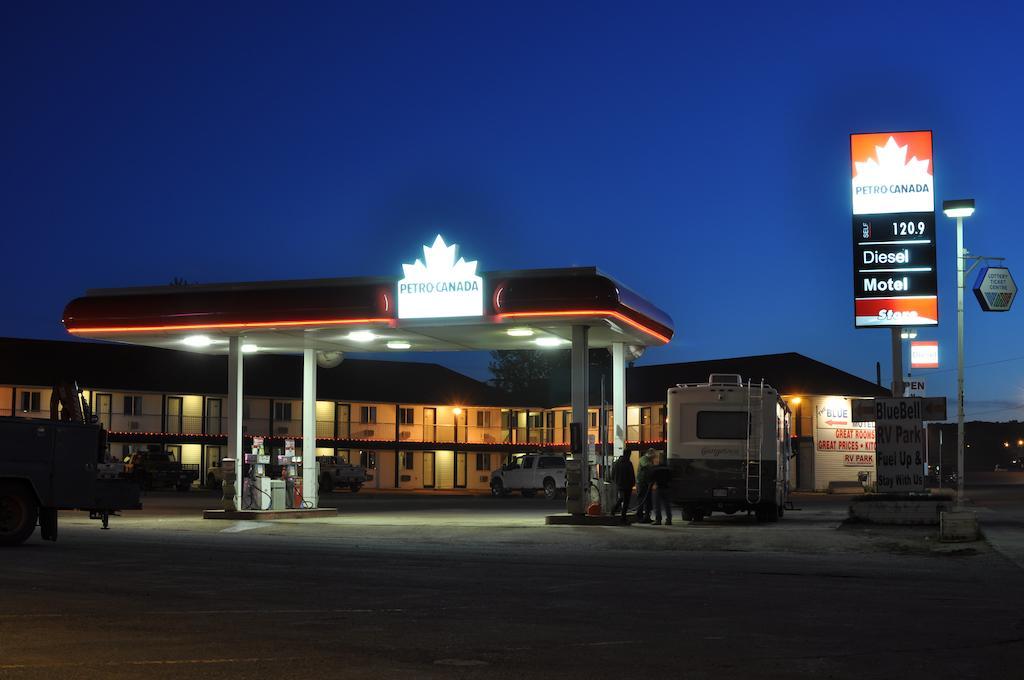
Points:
(291, 465)
(256, 487)
(575, 487)
(227, 466)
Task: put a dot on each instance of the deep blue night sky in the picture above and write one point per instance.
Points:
(699, 153)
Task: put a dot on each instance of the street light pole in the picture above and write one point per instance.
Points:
(959, 360)
(959, 209)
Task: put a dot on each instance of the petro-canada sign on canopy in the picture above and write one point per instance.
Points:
(893, 192)
(439, 286)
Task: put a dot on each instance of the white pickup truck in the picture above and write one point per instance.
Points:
(528, 473)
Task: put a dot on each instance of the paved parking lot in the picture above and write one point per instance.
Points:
(464, 587)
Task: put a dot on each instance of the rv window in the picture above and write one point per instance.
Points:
(722, 425)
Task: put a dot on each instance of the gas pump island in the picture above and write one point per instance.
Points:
(440, 304)
(269, 481)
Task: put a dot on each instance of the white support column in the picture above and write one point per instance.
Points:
(619, 398)
(235, 397)
(309, 477)
(580, 366)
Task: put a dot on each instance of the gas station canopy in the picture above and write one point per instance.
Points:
(526, 309)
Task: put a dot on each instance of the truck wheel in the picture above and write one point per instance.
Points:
(19, 513)
(326, 484)
(355, 487)
(184, 486)
(498, 489)
(550, 490)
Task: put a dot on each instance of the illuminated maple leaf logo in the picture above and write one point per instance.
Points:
(440, 263)
(892, 165)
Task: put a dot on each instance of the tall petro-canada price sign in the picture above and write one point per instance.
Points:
(894, 277)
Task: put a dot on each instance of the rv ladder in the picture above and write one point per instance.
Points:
(755, 440)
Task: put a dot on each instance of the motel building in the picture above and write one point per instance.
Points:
(410, 425)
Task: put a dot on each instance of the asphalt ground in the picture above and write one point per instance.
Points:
(468, 587)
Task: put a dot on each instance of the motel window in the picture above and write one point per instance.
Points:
(368, 414)
(536, 420)
(368, 459)
(722, 424)
(133, 406)
(407, 460)
(483, 419)
(483, 461)
(30, 402)
(282, 410)
(405, 416)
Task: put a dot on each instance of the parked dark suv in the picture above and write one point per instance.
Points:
(158, 469)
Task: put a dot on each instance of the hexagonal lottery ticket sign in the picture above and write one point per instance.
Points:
(995, 289)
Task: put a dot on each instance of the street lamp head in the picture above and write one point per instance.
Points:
(958, 207)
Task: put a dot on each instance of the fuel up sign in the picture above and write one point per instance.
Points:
(894, 279)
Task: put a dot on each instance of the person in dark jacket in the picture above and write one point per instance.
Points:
(643, 487)
(661, 478)
(623, 477)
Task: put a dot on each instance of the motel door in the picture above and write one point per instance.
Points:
(342, 420)
(174, 415)
(460, 469)
(430, 431)
(645, 424)
(213, 424)
(428, 470)
(103, 409)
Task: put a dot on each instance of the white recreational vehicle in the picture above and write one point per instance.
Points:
(728, 447)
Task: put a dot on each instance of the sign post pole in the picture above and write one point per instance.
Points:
(897, 362)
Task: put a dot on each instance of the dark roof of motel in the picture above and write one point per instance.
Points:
(790, 373)
(132, 367)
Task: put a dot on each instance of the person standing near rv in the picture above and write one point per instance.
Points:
(624, 478)
(643, 487)
(661, 477)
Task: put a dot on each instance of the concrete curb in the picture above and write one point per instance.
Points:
(270, 514)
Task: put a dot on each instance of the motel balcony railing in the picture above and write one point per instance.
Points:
(645, 433)
(351, 430)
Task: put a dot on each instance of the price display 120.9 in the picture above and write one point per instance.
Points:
(894, 279)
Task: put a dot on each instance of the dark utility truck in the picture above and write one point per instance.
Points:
(56, 464)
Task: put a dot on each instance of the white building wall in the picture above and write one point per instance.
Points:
(842, 448)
